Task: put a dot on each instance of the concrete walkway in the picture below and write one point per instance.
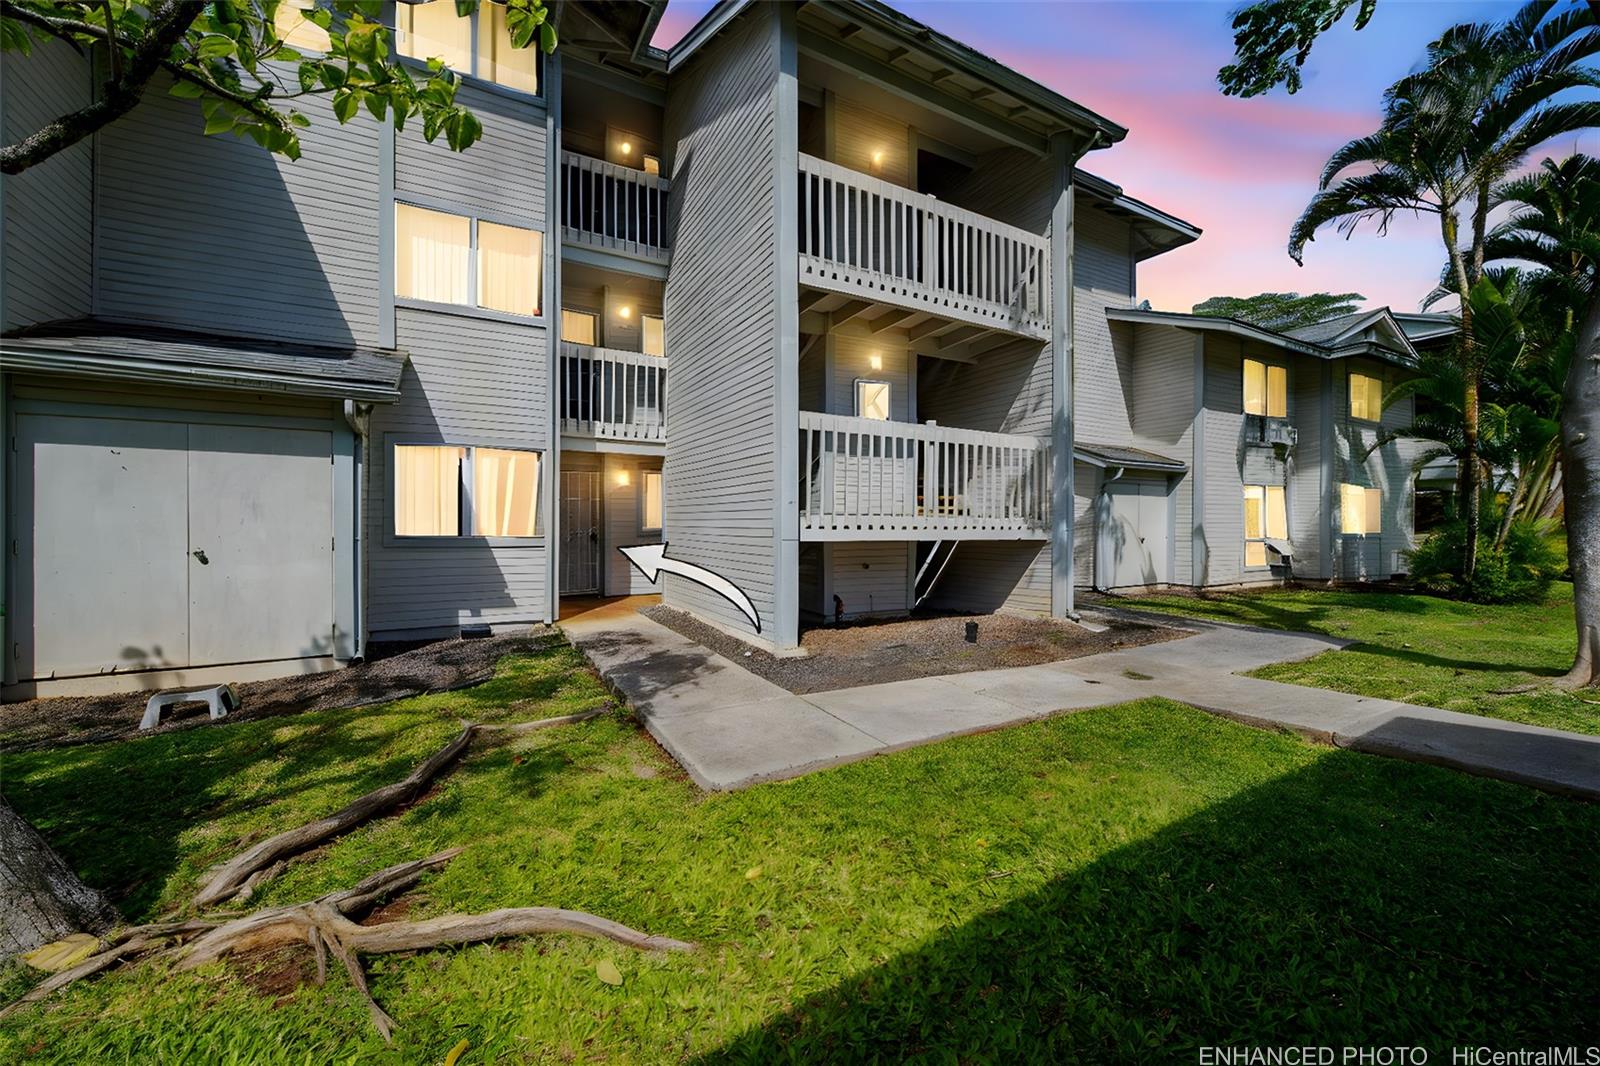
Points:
(729, 728)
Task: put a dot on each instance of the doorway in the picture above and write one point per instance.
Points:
(580, 532)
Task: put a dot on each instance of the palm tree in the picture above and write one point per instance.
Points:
(1555, 225)
(1450, 133)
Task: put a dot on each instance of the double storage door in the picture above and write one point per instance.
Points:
(149, 544)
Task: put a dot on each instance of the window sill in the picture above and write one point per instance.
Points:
(392, 541)
(464, 311)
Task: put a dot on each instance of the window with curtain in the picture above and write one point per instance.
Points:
(427, 490)
(1265, 518)
(505, 492)
(872, 399)
(651, 490)
(435, 251)
(1360, 510)
(655, 334)
(429, 482)
(432, 255)
(478, 45)
(579, 327)
(509, 268)
(1366, 397)
(297, 31)
(1266, 389)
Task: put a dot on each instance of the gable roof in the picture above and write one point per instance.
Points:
(1336, 338)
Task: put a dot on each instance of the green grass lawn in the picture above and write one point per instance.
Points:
(1119, 883)
(1419, 649)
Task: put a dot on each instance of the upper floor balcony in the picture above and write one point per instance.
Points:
(613, 395)
(882, 242)
(871, 479)
(614, 208)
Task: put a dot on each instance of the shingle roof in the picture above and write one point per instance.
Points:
(122, 350)
(1117, 455)
(1328, 329)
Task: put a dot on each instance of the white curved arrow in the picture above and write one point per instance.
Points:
(651, 559)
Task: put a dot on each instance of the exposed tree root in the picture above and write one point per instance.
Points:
(326, 927)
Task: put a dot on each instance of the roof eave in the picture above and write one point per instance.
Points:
(112, 368)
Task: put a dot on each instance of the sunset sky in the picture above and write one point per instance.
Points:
(1242, 170)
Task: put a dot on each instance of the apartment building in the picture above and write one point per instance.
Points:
(821, 297)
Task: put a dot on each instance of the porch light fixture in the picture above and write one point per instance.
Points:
(877, 157)
(625, 311)
(626, 147)
(875, 361)
(623, 478)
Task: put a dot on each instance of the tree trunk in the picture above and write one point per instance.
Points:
(41, 899)
(1580, 486)
(1467, 475)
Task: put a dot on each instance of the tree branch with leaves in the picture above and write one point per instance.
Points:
(249, 81)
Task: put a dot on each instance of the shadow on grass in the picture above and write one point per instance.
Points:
(1478, 665)
(1354, 901)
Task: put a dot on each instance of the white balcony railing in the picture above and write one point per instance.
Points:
(612, 394)
(869, 237)
(862, 478)
(615, 208)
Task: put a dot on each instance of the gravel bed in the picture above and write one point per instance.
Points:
(392, 672)
(874, 652)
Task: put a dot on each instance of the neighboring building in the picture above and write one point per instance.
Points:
(263, 413)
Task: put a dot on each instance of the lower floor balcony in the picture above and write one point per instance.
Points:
(870, 479)
(613, 395)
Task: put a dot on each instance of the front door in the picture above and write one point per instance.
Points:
(580, 532)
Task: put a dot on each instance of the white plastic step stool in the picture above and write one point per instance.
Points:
(220, 698)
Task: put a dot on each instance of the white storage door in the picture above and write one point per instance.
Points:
(1134, 541)
(261, 518)
(101, 520)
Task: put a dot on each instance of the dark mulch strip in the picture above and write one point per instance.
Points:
(393, 672)
(875, 652)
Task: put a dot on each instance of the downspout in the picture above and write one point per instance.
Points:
(357, 416)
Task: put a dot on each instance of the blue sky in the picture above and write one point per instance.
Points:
(1242, 170)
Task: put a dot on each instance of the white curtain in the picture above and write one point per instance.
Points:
(297, 31)
(652, 500)
(1255, 387)
(435, 31)
(505, 492)
(655, 335)
(510, 270)
(432, 254)
(427, 490)
(1277, 392)
(515, 68)
(578, 327)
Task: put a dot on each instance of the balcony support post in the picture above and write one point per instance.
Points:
(1065, 151)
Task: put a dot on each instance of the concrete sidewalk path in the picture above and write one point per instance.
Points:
(729, 728)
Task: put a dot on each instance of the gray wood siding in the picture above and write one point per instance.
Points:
(504, 173)
(722, 316)
(996, 575)
(215, 234)
(1162, 410)
(48, 224)
(470, 381)
(622, 489)
(1103, 370)
(1222, 503)
(871, 577)
(1307, 501)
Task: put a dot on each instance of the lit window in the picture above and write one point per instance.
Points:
(1266, 390)
(505, 492)
(1264, 519)
(427, 490)
(434, 253)
(579, 327)
(479, 45)
(508, 268)
(652, 165)
(652, 500)
(428, 483)
(435, 31)
(1366, 397)
(655, 334)
(297, 31)
(1360, 510)
(498, 61)
(872, 399)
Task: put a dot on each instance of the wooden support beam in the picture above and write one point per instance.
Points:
(811, 298)
(891, 319)
(847, 311)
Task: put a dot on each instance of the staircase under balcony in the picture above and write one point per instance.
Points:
(868, 479)
(952, 278)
